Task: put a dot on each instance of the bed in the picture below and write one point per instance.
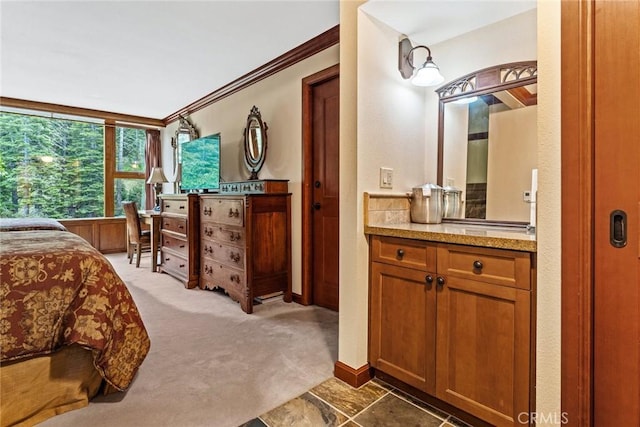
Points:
(69, 328)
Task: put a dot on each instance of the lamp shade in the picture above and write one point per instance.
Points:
(428, 75)
(156, 176)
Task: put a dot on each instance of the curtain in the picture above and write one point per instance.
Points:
(152, 156)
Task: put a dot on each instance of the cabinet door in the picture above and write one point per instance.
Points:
(402, 325)
(483, 348)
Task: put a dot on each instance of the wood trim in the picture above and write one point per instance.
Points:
(76, 111)
(353, 377)
(304, 51)
(578, 200)
(307, 176)
(109, 168)
(108, 235)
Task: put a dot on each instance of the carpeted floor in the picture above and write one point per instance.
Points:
(211, 364)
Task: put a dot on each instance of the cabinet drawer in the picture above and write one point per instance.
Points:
(175, 243)
(174, 206)
(497, 266)
(416, 254)
(175, 264)
(177, 225)
(225, 254)
(223, 234)
(214, 274)
(223, 211)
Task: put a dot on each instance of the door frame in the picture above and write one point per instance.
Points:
(578, 202)
(306, 296)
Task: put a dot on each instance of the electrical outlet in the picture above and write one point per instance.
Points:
(526, 196)
(386, 178)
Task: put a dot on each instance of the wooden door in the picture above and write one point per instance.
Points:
(600, 175)
(321, 189)
(402, 325)
(482, 349)
(616, 381)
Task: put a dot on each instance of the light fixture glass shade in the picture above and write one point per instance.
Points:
(156, 176)
(427, 75)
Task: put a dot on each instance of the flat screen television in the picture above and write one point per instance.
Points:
(200, 164)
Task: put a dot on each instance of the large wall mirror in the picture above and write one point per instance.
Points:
(255, 142)
(487, 141)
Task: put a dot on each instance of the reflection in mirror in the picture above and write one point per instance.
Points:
(186, 132)
(255, 142)
(488, 141)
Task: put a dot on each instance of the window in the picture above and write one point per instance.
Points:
(50, 167)
(68, 166)
(129, 175)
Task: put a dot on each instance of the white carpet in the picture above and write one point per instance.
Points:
(211, 364)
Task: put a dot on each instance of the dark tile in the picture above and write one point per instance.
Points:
(380, 383)
(256, 422)
(456, 422)
(346, 398)
(304, 410)
(391, 411)
(435, 411)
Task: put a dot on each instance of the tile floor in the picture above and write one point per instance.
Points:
(335, 403)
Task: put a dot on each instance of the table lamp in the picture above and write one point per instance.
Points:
(157, 178)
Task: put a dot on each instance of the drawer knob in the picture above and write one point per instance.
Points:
(477, 264)
(441, 281)
(429, 279)
(400, 253)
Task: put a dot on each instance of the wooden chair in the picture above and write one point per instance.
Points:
(137, 238)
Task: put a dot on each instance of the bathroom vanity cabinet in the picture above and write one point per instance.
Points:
(454, 321)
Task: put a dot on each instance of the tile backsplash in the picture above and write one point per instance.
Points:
(386, 208)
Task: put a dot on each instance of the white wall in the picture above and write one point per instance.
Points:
(279, 99)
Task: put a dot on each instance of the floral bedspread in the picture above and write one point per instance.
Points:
(57, 290)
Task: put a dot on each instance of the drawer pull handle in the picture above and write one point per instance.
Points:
(235, 256)
(234, 236)
(208, 231)
(181, 265)
(208, 269)
(234, 214)
(181, 246)
(478, 265)
(428, 279)
(235, 278)
(181, 207)
(400, 253)
(167, 259)
(167, 206)
(441, 281)
(207, 211)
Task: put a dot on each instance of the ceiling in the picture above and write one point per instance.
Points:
(152, 58)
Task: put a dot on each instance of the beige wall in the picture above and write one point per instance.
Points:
(279, 99)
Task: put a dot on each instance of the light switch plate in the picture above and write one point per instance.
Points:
(386, 178)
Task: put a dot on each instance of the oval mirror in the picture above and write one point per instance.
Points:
(255, 142)
(487, 142)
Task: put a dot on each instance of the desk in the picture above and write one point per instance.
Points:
(153, 218)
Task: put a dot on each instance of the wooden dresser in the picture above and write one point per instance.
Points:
(245, 244)
(179, 241)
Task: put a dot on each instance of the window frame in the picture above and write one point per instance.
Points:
(110, 122)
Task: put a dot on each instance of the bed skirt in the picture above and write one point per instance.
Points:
(36, 389)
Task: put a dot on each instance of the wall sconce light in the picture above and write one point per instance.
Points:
(426, 75)
(157, 178)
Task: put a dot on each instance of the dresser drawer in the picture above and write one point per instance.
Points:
(497, 266)
(175, 264)
(416, 254)
(175, 243)
(224, 254)
(214, 274)
(223, 211)
(177, 225)
(223, 234)
(175, 206)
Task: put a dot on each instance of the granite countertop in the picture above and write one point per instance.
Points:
(517, 239)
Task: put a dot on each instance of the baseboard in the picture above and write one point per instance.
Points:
(297, 298)
(353, 377)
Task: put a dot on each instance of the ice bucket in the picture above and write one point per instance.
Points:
(452, 203)
(426, 204)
